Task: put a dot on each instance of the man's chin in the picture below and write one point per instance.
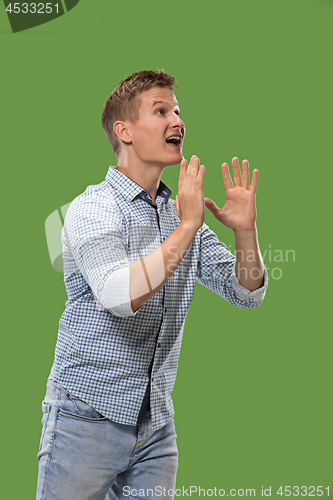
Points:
(177, 161)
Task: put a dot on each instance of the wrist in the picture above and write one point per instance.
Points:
(189, 227)
(245, 233)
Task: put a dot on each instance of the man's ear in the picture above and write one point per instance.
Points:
(122, 131)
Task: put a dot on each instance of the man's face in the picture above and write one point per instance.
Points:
(157, 136)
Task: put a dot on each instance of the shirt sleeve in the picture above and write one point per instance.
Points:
(96, 236)
(216, 271)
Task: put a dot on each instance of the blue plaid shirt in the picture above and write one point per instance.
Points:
(108, 360)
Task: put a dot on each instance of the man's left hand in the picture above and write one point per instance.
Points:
(239, 211)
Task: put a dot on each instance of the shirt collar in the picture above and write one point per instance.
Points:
(130, 189)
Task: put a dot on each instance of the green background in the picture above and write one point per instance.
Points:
(253, 393)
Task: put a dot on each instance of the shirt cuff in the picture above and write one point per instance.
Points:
(115, 295)
(257, 296)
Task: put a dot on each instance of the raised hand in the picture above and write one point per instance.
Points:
(189, 203)
(239, 211)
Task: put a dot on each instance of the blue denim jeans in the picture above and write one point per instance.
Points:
(85, 456)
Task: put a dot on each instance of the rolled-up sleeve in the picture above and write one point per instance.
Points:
(116, 295)
(257, 296)
(216, 271)
(95, 234)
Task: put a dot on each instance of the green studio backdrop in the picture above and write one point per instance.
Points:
(253, 395)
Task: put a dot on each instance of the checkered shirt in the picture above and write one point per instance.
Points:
(103, 358)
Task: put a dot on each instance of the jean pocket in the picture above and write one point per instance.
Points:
(75, 407)
(46, 412)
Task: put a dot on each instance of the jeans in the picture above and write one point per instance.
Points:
(85, 456)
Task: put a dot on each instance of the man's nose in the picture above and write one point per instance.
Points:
(178, 122)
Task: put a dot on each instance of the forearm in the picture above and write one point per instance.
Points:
(249, 266)
(149, 274)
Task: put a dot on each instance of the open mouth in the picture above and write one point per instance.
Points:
(174, 141)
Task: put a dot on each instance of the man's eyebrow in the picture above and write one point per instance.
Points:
(164, 102)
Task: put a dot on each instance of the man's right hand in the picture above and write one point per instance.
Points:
(190, 204)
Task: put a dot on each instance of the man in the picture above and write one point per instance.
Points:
(131, 258)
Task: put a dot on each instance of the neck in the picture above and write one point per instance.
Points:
(147, 176)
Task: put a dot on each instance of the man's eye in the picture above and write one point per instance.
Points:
(177, 112)
(161, 111)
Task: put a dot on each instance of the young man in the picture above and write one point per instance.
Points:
(131, 259)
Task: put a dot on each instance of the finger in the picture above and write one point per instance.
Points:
(245, 174)
(177, 204)
(201, 175)
(193, 167)
(183, 168)
(226, 177)
(211, 205)
(236, 171)
(254, 182)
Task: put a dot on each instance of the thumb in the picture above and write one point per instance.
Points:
(211, 205)
(177, 205)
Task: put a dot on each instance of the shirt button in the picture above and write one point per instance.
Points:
(68, 394)
(158, 345)
(165, 309)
